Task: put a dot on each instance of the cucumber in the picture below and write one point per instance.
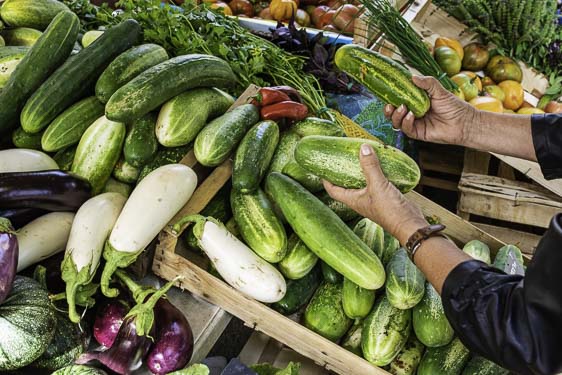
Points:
(58, 92)
(510, 260)
(478, 250)
(299, 292)
(481, 366)
(218, 139)
(445, 360)
(405, 283)
(371, 234)
(7, 51)
(254, 155)
(65, 157)
(352, 339)
(40, 61)
(317, 126)
(183, 117)
(385, 332)
(125, 172)
(343, 211)
(127, 66)
(430, 323)
(21, 36)
(311, 182)
(336, 159)
(409, 358)
(391, 245)
(90, 37)
(387, 79)
(357, 302)
(157, 85)
(324, 314)
(298, 261)
(164, 156)
(68, 127)
(141, 144)
(259, 226)
(21, 139)
(325, 234)
(284, 152)
(114, 186)
(36, 14)
(8, 65)
(98, 151)
(330, 274)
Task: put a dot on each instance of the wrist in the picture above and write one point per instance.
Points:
(408, 228)
(473, 128)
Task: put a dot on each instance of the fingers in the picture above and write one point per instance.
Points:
(371, 166)
(429, 84)
(398, 116)
(388, 110)
(338, 193)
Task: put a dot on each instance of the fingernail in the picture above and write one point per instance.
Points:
(410, 116)
(366, 150)
(402, 108)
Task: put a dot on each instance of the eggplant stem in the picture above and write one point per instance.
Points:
(139, 292)
(57, 297)
(71, 301)
(6, 226)
(184, 222)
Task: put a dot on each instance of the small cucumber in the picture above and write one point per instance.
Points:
(114, 186)
(21, 139)
(317, 126)
(481, 366)
(311, 182)
(324, 314)
(141, 144)
(299, 292)
(164, 156)
(284, 152)
(391, 245)
(125, 172)
(352, 339)
(430, 323)
(371, 234)
(405, 283)
(445, 360)
(65, 157)
(510, 260)
(357, 302)
(254, 155)
(8, 65)
(218, 139)
(299, 259)
(21, 36)
(330, 274)
(409, 358)
(478, 250)
(344, 212)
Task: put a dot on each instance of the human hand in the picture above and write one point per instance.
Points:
(380, 201)
(449, 120)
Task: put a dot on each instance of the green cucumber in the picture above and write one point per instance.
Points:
(218, 139)
(140, 143)
(311, 182)
(68, 127)
(164, 156)
(284, 152)
(317, 126)
(125, 172)
(481, 366)
(232, 227)
(58, 92)
(385, 332)
(65, 157)
(183, 117)
(445, 360)
(7, 51)
(254, 155)
(36, 14)
(8, 65)
(371, 234)
(430, 323)
(259, 226)
(298, 261)
(510, 260)
(387, 79)
(405, 283)
(162, 82)
(343, 211)
(114, 186)
(324, 314)
(98, 152)
(352, 339)
(50, 51)
(127, 66)
(21, 139)
(478, 250)
(391, 245)
(409, 358)
(325, 233)
(336, 159)
(357, 302)
(330, 274)
(21, 36)
(299, 292)
(90, 37)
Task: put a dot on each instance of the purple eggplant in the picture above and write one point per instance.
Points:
(21, 216)
(173, 344)
(9, 251)
(51, 190)
(108, 321)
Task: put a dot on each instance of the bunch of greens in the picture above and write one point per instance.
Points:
(196, 29)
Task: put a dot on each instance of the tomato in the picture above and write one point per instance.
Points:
(330, 27)
(448, 60)
(225, 8)
(514, 95)
(282, 9)
(476, 57)
(451, 43)
(487, 81)
(487, 103)
(345, 17)
(265, 14)
(467, 85)
(327, 19)
(317, 14)
(529, 111)
(501, 68)
(242, 7)
(302, 18)
(553, 107)
(475, 78)
(495, 92)
(459, 94)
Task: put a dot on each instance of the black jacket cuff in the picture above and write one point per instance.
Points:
(547, 140)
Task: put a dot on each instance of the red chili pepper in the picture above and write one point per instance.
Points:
(267, 96)
(291, 92)
(287, 109)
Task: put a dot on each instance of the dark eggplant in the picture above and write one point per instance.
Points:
(9, 251)
(109, 319)
(173, 344)
(52, 190)
(21, 216)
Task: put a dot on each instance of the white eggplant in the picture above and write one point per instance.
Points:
(152, 204)
(237, 264)
(43, 237)
(91, 227)
(24, 160)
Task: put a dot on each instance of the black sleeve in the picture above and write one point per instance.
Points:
(547, 139)
(512, 320)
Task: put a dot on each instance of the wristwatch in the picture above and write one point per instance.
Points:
(422, 234)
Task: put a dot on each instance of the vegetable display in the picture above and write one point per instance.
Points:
(9, 251)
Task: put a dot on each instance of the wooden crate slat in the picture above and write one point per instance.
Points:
(439, 183)
(439, 160)
(527, 242)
